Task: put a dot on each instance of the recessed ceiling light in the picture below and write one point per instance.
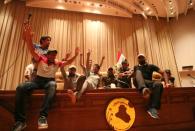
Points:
(60, 7)
(147, 8)
(60, 1)
(96, 11)
(87, 10)
(88, 4)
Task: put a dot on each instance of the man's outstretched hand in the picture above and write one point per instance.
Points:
(27, 32)
(77, 50)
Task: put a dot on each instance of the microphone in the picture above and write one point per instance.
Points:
(29, 16)
(27, 21)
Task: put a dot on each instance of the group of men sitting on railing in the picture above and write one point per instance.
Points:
(46, 65)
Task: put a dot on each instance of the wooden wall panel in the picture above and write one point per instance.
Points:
(177, 112)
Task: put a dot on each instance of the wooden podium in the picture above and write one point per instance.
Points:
(177, 111)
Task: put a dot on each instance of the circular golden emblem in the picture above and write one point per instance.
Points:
(120, 114)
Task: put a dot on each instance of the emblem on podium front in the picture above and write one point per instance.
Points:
(120, 114)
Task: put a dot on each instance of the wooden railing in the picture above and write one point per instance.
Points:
(177, 111)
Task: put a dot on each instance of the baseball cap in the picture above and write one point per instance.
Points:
(125, 62)
(72, 67)
(52, 51)
(140, 55)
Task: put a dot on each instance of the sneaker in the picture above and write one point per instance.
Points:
(72, 96)
(42, 123)
(19, 126)
(146, 93)
(153, 113)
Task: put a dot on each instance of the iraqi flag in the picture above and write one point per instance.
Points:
(120, 59)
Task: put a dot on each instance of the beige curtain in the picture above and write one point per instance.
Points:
(104, 35)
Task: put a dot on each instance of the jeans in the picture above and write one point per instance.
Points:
(80, 82)
(124, 82)
(25, 89)
(86, 85)
(156, 88)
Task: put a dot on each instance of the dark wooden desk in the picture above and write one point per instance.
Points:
(177, 112)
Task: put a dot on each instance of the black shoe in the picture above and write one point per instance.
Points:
(19, 126)
(42, 123)
(153, 113)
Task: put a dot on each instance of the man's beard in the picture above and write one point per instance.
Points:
(47, 47)
(51, 61)
(71, 75)
(110, 75)
(142, 62)
(125, 68)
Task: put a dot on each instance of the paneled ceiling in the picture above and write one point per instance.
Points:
(122, 8)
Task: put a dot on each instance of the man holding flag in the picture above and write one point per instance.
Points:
(125, 73)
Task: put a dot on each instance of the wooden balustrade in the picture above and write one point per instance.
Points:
(177, 111)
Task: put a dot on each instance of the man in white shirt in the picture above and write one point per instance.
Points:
(92, 80)
(45, 79)
(42, 48)
(70, 77)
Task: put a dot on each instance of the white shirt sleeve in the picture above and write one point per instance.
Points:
(29, 70)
